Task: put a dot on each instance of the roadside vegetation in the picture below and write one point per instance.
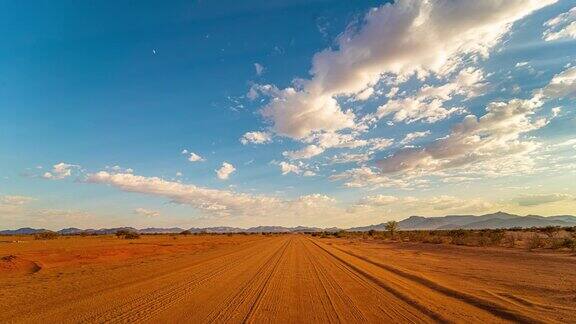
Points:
(46, 235)
(552, 238)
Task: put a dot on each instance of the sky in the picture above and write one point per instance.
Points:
(315, 113)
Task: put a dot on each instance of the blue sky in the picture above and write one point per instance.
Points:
(327, 113)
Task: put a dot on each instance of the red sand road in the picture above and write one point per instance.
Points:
(281, 278)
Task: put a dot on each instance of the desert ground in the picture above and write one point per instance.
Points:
(278, 278)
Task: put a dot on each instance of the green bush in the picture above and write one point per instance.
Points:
(46, 235)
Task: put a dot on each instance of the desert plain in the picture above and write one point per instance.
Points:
(278, 278)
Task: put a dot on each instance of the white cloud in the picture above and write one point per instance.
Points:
(401, 39)
(60, 171)
(411, 137)
(286, 168)
(324, 141)
(365, 94)
(195, 157)
(428, 103)
(297, 114)
(259, 68)
(368, 177)
(307, 152)
(225, 171)
(184, 151)
(378, 200)
(496, 138)
(496, 134)
(222, 202)
(146, 212)
(562, 85)
(350, 157)
(309, 173)
(255, 138)
(540, 199)
(561, 26)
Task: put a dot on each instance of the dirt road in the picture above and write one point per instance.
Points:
(288, 278)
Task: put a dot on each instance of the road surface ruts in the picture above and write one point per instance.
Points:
(288, 278)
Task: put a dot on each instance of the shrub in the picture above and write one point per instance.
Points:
(510, 240)
(46, 235)
(186, 232)
(131, 236)
(371, 232)
(341, 234)
(457, 236)
(121, 233)
(550, 230)
(535, 242)
(496, 237)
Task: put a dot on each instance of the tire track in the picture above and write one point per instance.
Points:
(396, 303)
(267, 281)
(172, 289)
(491, 307)
(233, 303)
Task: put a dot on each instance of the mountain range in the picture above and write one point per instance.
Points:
(488, 221)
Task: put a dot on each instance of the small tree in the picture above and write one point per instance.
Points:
(392, 227)
(186, 232)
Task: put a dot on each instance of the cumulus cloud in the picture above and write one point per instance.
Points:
(561, 26)
(401, 39)
(428, 103)
(225, 171)
(496, 134)
(286, 168)
(298, 168)
(411, 137)
(540, 199)
(256, 138)
(350, 158)
(562, 85)
(193, 157)
(60, 171)
(198, 197)
(146, 212)
(305, 153)
(297, 114)
(368, 177)
(216, 202)
(378, 200)
(434, 205)
(323, 141)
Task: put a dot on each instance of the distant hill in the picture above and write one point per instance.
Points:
(22, 231)
(488, 221)
(154, 230)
